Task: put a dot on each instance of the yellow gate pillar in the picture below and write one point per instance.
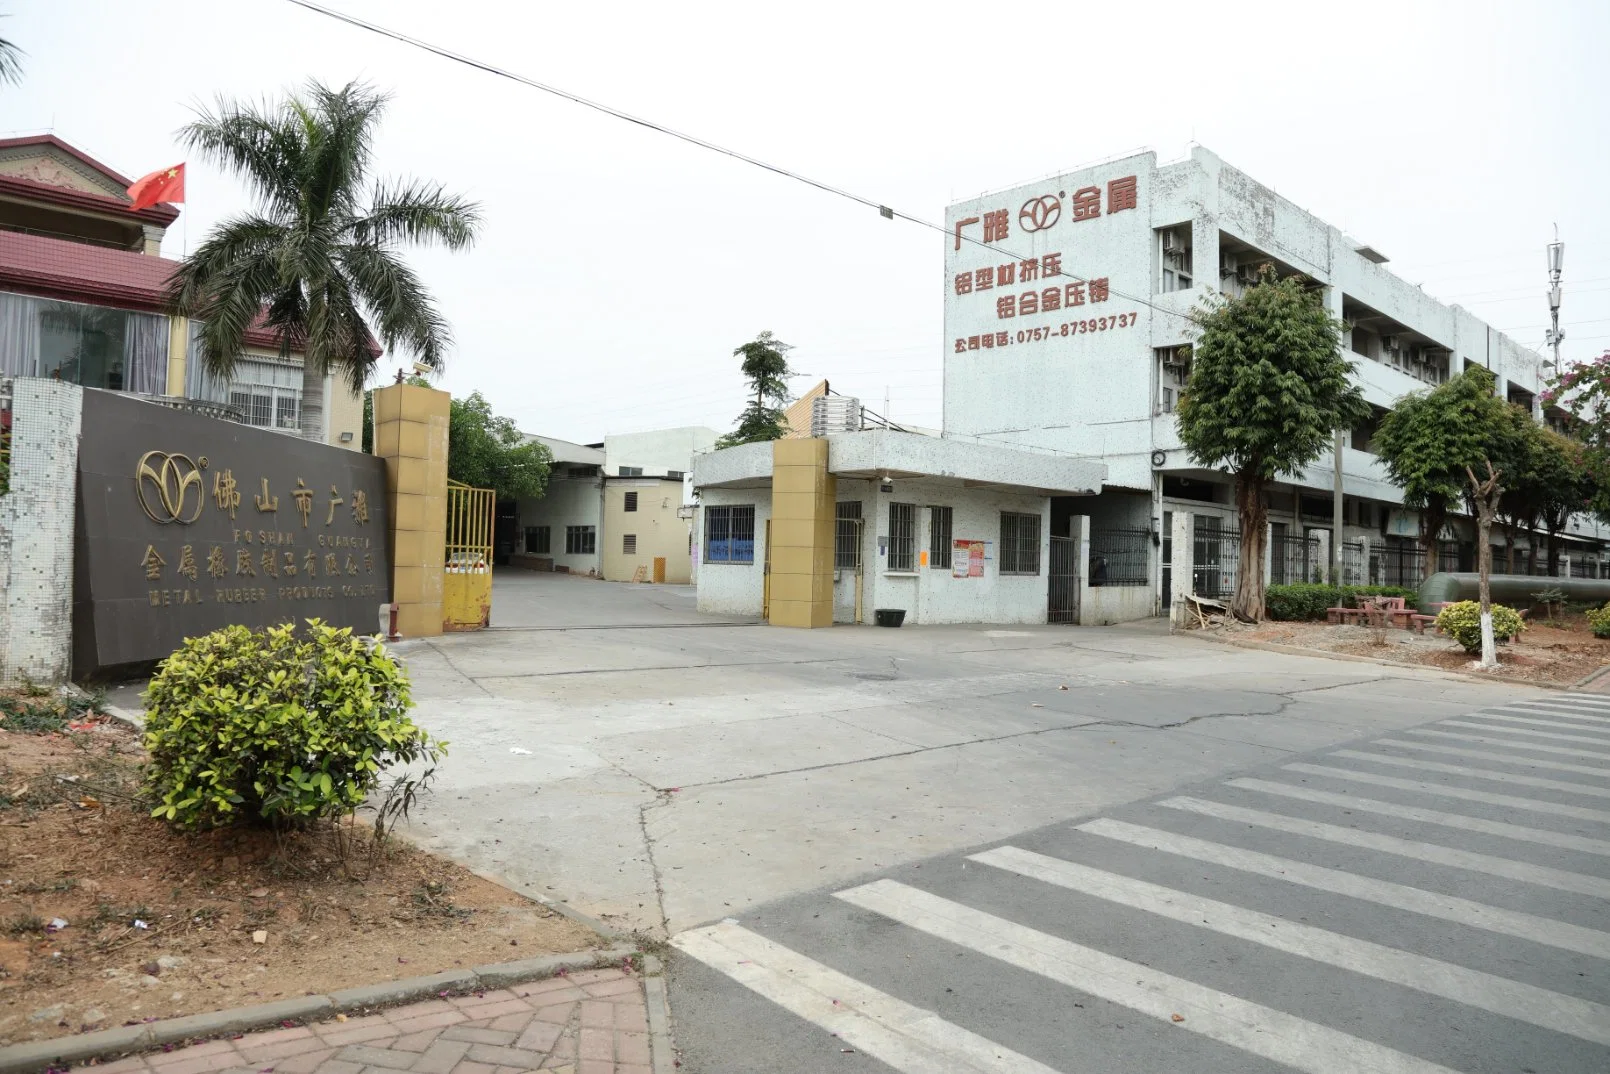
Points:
(411, 436)
(801, 552)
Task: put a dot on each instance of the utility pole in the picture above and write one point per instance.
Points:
(1336, 519)
(1556, 251)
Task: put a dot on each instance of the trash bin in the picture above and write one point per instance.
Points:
(889, 616)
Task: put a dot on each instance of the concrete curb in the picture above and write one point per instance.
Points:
(662, 1052)
(1298, 650)
(38, 1055)
(124, 716)
(1590, 678)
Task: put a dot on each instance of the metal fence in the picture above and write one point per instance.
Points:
(1217, 549)
(1293, 560)
(1120, 557)
(1353, 564)
(1400, 565)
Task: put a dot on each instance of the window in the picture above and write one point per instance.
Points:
(631, 471)
(902, 537)
(581, 540)
(1174, 253)
(536, 540)
(729, 534)
(676, 475)
(629, 544)
(1020, 543)
(631, 501)
(269, 394)
(939, 520)
(577, 473)
(1173, 373)
(847, 536)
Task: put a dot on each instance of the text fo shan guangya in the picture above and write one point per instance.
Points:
(170, 489)
(1039, 214)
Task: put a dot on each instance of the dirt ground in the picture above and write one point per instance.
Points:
(160, 924)
(1557, 653)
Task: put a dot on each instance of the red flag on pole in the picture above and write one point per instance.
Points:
(164, 185)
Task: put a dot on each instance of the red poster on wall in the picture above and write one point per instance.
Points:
(967, 559)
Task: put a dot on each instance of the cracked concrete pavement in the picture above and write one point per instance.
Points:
(657, 769)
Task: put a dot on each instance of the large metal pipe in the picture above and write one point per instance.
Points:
(1513, 590)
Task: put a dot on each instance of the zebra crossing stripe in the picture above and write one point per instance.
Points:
(1583, 699)
(1263, 1031)
(906, 1037)
(1428, 816)
(1542, 875)
(1490, 729)
(1465, 794)
(1566, 751)
(1554, 708)
(1530, 927)
(1601, 735)
(1502, 758)
(1476, 773)
(1486, 991)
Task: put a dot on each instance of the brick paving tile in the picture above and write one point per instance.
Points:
(619, 987)
(505, 1057)
(512, 1070)
(514, 1023)
(262, 1053)
(306, 1063)
(433, 1020)
(471, 1067)
(589, 976)
(377, 1057)
(441, 1057)
(632, 1019)
(558, 987)
(496, 1008)
(337, 1033)
(422, 1007)
(633, 1068)
(339, 1066)
(597, 1044)
(123, 1066)
(164, 1060)
(560, 1066)
(596, 1014)
(474, 998)
(559, 1013)
(631, 1047)
(563, 1048)
(204, 1064)
(479, 1036)
(595, 1066)
(415, 1042)
(274, 1036)
(539, 1037)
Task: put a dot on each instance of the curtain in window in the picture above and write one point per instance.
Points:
(198, 382)
(145, 354)
(19, 336)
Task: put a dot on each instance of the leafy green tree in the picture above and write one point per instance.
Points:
(1428, 440)
(1570, 481)
(1268, 388)
(487, 451)
(765, 366)
(318, 260)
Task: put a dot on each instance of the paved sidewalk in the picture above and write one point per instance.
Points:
(589, 1022)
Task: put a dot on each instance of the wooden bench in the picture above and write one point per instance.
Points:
(1392, 607)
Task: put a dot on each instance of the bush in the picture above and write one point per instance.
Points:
(274, 727)
(1599, 620)
(1309, 602)
(1461, 621)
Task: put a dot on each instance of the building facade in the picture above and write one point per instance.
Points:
(1067, 328)
(83, 299)
(618, 510)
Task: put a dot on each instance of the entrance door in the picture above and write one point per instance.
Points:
(1063, 593)
(765, 581)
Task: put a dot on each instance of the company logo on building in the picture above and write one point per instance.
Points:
(163, 481)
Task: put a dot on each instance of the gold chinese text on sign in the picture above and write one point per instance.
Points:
(162, 483)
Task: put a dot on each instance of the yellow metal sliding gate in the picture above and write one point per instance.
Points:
(467, 581)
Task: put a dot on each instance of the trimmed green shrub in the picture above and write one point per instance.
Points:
(1310, 601)
(276, 727)
(1461, 621)
(1599, 620)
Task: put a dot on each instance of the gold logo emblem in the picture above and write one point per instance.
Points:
(163, 482)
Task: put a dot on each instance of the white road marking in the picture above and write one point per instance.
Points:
(1555, 708)
(1252, 1027)
(1542, 875)
(1519, 731)
(1598, 700)
(1502, 758)
(1541, 930)
(1429, 816)
(1486, 991)
(905, 1037)
(1478, 773)
(1465, 794)
(1601, 735)
(1564, 751)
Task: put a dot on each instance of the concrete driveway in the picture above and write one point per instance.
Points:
(660, 770)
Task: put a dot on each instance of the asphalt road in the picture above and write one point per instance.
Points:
(1427, 899)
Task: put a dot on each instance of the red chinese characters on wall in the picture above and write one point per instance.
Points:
(1035, 300)
(1046, 210)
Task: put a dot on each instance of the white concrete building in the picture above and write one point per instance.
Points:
(1067, 306)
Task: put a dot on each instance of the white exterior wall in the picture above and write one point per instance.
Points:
(567, 502)
(732, 588)
(658, 451)
(36, 532)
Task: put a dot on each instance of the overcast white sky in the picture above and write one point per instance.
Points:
(618, 268)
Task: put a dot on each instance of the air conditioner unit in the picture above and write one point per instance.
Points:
(1228, 266)
(1248, 274)
(1389, 343)
(1173, 242)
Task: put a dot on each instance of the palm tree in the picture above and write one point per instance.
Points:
(10, 62)
(314, 262)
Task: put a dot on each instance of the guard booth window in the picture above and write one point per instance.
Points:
(902, 537)
(939, 526)
(1020, 543)
(847, 536)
